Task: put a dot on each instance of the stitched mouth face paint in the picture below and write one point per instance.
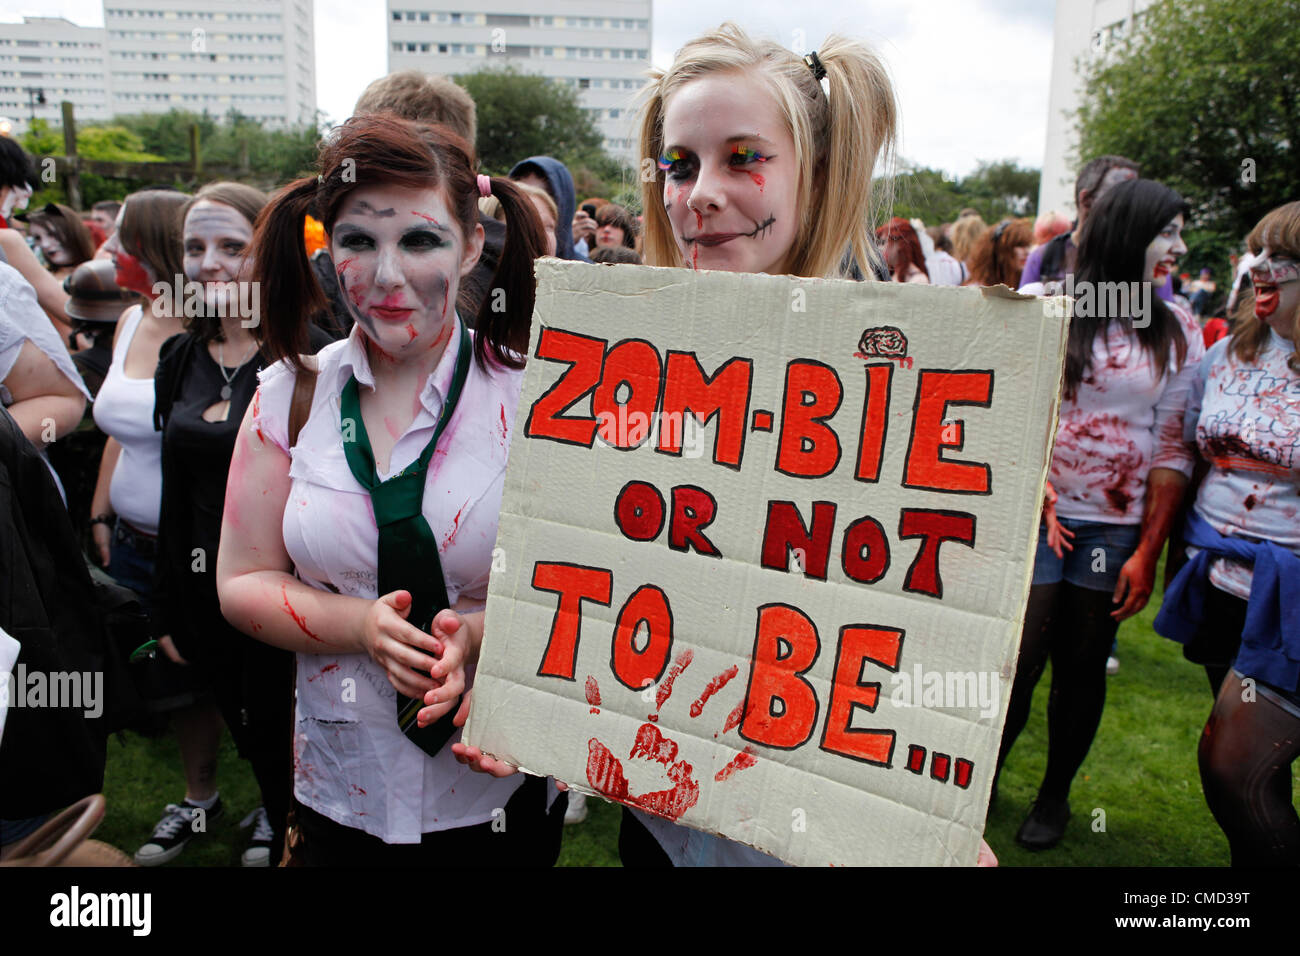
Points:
(730, 185)
(398, 255)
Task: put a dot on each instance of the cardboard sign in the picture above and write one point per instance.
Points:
(765, 549)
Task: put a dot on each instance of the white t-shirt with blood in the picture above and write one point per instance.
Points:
(351, 762)
(1122, 422)
(1245, 419)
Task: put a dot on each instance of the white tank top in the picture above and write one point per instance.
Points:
(124, 410)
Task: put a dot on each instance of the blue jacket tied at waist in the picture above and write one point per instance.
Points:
(1270, 640)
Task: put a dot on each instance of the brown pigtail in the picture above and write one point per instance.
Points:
(506, 312)
(288, 291)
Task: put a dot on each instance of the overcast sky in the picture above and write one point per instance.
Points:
(971, 75)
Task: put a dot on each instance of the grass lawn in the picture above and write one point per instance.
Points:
(1137, 800)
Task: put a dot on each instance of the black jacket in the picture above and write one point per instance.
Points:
(50, 756)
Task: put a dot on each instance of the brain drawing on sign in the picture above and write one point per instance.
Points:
(765, 549)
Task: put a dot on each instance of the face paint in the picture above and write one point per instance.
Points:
(16, 200)
(400, 256)
(133, 274)
(1277, 292)
(719, 131)
(215, 243)
(56, 254)
(1164, 251)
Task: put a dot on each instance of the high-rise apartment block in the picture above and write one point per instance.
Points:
(601, 49)
(1084, 30)
(254, 56)
(45, 60)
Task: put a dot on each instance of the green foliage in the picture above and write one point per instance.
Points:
(995, 190)
(1206, 96)
(522, 115)
(114, 143)
(262, 157)
(41, 140)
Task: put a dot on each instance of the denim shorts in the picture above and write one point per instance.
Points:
(1100, 550)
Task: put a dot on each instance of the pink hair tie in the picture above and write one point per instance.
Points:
(484, 185)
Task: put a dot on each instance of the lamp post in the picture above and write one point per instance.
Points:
(35, 97)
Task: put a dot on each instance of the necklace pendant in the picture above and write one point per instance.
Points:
(226, 393)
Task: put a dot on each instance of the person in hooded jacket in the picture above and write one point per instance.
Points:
(548, 173)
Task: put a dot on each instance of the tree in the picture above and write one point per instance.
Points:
(1205, 95)
(522, 115)
(995, 190)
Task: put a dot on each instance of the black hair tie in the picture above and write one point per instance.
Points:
(815, 64)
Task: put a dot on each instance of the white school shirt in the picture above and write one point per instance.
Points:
(351, 762)
(22, 320)
(124, 410)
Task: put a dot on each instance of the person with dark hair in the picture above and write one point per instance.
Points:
(615, 255)
(125, 507)
(1117, 477)
(550, 174)
(62, 237)
(999, 254)
(902, 252)
(204, 382)
(1232, 606)
(364, 494)
(17, 181)
(615, 226)
(1054, 259)
(434, 99)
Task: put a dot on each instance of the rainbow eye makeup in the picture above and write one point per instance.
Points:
(670, 159)
(748, 154)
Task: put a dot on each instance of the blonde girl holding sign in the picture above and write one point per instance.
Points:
(766, 161)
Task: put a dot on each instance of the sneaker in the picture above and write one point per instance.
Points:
(577, 811)
(1112, 666)
(1045, 825)
(174, 830)
(259, 847)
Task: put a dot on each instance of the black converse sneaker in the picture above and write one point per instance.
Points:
(259, 847)
(180, 823)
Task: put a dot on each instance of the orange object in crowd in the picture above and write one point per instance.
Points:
(313, 236)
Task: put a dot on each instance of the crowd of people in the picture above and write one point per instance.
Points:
(256, 466)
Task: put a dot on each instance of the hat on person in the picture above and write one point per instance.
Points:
(96, 296)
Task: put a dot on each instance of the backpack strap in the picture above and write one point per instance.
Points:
(304, 389)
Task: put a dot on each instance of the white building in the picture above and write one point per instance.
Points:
(599, 47)
(254, 56)
(54, 59)
(1084, 29)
